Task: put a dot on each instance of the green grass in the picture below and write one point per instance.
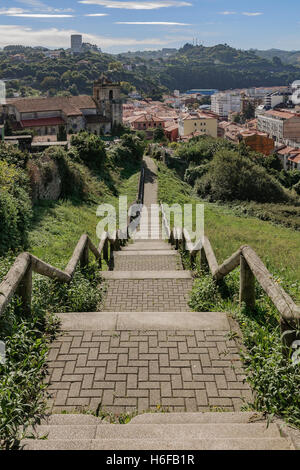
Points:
(57, 226)
(277, 246)
(273, 377)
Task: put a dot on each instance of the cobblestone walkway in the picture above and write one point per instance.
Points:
(186, 369)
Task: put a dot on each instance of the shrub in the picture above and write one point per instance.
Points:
(131, 148)
(233, 177)
(204, 295)
(13, 155)
(90, 148)
(202, 149)
(80, 295)
(15, 207)
(194, 173)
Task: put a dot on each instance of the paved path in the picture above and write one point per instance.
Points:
(146, 349)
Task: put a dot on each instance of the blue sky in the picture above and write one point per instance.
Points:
(122, 25)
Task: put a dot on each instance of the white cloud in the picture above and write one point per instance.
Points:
(227, 13)
(137, 5)
(40, 15)
(97, 14)
(247, 13)
(162, 23)
(37, 5)
(11, 11)
(54, 37)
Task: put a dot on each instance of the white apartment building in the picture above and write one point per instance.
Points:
(282, 126)
(226, 103)
(273, 99)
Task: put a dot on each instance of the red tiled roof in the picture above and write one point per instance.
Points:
(54, 121)
(69, 105)
(295, 159)
(286, 150)
(280, 114)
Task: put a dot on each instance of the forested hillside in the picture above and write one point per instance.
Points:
(220, 66)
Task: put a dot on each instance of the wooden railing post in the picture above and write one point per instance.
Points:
(203, 260)
(24, 291)
(105, 250)
(84, 260)
(111, 254)
(247, 284)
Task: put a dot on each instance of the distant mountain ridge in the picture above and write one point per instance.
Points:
(287, 57)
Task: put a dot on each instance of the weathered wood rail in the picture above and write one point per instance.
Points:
(251, 268)
(19, 278)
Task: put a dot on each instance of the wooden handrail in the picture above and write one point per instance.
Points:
(19, 277)
(252, 267)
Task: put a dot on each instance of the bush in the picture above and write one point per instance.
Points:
(80, 295)
(274, 378)
(204, 295)
(194, 173)
(23, 390)
(131, 148)
(13, 155)
(90, 148)
(15, 208)
(202, 149)
(233, 177)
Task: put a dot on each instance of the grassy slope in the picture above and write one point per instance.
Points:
(277, 246)
(57, 226)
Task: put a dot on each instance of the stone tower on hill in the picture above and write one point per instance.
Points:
(107, 96)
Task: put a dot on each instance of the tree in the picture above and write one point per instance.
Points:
(90, 148)
(62, 134)
(158, 134)
(7, 128)
(232, 177)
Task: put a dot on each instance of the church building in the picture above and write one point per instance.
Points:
(97, 113)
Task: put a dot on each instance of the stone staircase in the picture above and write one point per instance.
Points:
(144, 352)
(162, 431)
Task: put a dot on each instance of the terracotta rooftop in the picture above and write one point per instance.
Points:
(286, 150)
(54, 121)
(280, 114)
(69, 105)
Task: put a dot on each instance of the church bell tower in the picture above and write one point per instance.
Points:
(107, 96)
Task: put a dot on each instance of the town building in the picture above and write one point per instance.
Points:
(225, 103)
(273, 99)
(192, 122)
(146, 121)
(97, 113)
(76, 43)
(257, 141)
(281, 125)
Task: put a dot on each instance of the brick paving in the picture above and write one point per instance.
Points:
(128, 370)
(124, 371)
(148, 295)
(149, 263)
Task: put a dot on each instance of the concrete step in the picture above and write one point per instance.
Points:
(158, 431)
(147, 245)
(142, 275)
(66, 419)
(146, 253)
(198, 418)
(159, 444)
(192, 431)
(140, 321)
